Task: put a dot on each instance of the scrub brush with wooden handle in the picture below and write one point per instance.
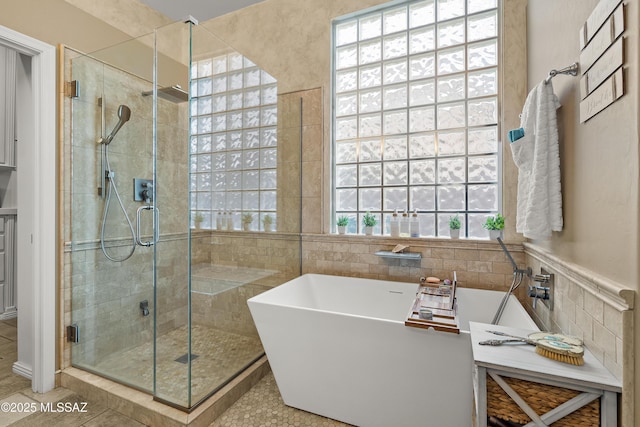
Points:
(553, 346)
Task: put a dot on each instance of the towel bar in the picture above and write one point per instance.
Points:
(570, 70)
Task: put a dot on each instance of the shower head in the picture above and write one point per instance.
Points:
(124, 114)
(171, 93)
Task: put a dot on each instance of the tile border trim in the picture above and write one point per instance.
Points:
(609, 291)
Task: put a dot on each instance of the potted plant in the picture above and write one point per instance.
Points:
(267, 221)
(247, 219)
(454, 226)
(494, 224)
(369, 221)
(343, 221)
(198, 220)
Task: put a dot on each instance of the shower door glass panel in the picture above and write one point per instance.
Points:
(111, 277)
(205, 335)
(173, 355)
(198, 123)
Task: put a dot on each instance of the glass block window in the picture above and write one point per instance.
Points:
(415, 115)
(233, 142)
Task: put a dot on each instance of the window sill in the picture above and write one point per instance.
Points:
(421, 238)
(383, 243)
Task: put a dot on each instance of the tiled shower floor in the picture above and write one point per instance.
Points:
(220, 354)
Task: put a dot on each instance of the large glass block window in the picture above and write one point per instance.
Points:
(233, 143)
(415, 115)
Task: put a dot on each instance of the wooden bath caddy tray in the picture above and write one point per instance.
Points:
(441, 301)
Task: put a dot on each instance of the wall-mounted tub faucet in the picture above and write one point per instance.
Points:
(542, 289)
(538, 292)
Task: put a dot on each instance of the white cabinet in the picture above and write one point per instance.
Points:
(8, 294)
(8, 58)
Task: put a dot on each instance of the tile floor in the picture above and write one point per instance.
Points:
(261, 406)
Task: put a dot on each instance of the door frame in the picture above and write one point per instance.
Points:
(37, 234)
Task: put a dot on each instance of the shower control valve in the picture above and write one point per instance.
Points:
(542, 288)
(542, 278)
(539, 292)
(147, 193)
(142, 190)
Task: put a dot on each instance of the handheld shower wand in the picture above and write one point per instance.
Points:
(124, 114)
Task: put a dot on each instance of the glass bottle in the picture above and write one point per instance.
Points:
(404, 225)
(230, 220)
(414, 225)
(219, 221)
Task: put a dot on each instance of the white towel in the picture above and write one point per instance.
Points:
(537, 156)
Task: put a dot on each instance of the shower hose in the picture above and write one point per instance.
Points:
(517, 277)
(113, 188)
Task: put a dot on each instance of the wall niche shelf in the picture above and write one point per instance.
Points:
(399, 255)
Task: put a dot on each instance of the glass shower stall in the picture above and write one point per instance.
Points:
(179, 207)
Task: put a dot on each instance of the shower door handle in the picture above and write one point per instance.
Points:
(156, 231)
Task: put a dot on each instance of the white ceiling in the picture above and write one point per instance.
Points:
(202, 10)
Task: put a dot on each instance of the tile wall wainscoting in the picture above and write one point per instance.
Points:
(594, 308)
(478, 264)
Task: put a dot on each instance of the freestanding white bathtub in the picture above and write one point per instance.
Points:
(338, 347)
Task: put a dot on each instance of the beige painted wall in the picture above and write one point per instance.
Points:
(81, 25)
(55, 21)
(599, 158)
(296, 34)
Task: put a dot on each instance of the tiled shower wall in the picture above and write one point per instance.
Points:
(300, 131)
(104, 296)
(276, 255)
(273, 256)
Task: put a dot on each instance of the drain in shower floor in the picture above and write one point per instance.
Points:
(185, 358)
